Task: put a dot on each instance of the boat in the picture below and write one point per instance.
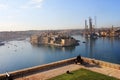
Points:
(94, 36)
(84, 42)
(1, 43)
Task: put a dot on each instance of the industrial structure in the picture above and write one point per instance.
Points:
(92, 33)
(89, 30)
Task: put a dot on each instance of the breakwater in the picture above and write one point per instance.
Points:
(32, 70)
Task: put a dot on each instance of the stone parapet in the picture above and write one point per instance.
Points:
(101, 63)
(32, 70)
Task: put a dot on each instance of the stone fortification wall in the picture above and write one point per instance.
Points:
(101, 63)
(32, 70)
(35, 69)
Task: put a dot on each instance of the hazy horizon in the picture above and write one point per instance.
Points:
(25, 15)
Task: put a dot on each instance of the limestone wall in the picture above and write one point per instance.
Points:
(23, 72)
(34, 39)
(32, 70)
(101, 63)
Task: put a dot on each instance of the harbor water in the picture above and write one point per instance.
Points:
(16, 55)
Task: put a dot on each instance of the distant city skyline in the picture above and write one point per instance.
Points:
(17, 15)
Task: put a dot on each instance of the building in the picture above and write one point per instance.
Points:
(58, 40)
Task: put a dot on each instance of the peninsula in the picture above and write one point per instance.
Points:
(56, 39)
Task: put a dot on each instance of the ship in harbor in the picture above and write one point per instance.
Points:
(54, 39)
(1, 43)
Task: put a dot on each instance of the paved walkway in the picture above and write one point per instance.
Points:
(71, 67)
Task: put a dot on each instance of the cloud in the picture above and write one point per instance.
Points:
(32, 4)
(24, 6)
(36, 1)
(38, 6)
(3, 6)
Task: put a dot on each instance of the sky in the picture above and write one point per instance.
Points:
(17, 15)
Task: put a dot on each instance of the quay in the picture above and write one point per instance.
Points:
(50, 70)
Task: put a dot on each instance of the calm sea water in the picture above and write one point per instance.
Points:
(15, 55)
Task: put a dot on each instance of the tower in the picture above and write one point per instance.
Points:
(86, 27)
(90, 24)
